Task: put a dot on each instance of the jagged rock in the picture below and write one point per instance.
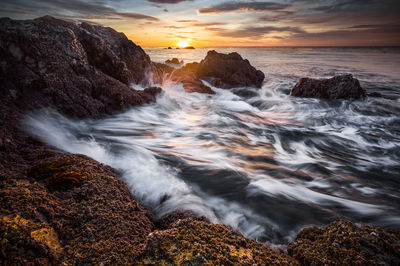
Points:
(174, 61)
(221, 70)
(344, 243)
(229, 71)
(169, 220)
(57, 208)
(338, 87)
(191, 242)
(81, 69)
(59, 217)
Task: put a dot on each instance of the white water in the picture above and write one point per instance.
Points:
(266, 165)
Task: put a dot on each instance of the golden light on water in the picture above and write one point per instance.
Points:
(183, 44)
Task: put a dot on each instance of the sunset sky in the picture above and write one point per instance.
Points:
(230, 23)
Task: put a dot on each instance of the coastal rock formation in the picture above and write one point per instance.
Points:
(338, 87)
(82, 69)
(70, 209)
(343, 243)
(57, 208)
(221, 70)
(174, 61)
(190, 242)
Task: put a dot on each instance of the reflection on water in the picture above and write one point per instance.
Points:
(265, 163)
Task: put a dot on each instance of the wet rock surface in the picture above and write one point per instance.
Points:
(82, 69)
(174, 61)
(70, 209)
(338, 87)
(344, 243)
(220, 70)
(191, 242)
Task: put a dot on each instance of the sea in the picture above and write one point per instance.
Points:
(259, 160)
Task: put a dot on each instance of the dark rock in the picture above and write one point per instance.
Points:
(174, 61)
(81, 69)
(191, 242)
(221, 70)
(169, 220)
(66, 209)
(343, 243)
(338, 87)
(189, 47)
(229, 71)
(169, 47)
(65, 218)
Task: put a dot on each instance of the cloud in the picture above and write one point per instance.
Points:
(242, 7)
(167, 1)
(136, 16)
(207, 24)
(254, 32)
(186, 20)
(78, 9)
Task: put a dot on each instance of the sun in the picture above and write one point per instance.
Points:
(183, 44)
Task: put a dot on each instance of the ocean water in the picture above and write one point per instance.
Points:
(258, 160)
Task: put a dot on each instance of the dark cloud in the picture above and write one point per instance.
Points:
(167, 1)
(254, 32)
(79, 9)
(186, 20)
(136, 16)
(242, 6)
(207, 24)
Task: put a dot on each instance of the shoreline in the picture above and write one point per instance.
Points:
(53, 202)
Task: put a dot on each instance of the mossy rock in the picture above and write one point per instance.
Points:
(61, 172)
(192, 242)
(25, 241)
(344, 243)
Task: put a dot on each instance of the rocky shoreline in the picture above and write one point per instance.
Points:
(59, 208)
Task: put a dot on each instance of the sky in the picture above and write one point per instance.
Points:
(230, 23)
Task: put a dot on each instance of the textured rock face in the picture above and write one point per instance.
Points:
(174, 61)
(72, 210)
(343, 243)
(221, 70)
(81, 69)
(191, 242)
(338, 87)
(229, 71)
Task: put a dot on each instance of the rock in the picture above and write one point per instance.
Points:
(343, 243)
(338, 87)
(229, 71)
(174, 61)
(191, 242)
(62, 208)
(81, 69)
(221, 70)
(169, 47)
(189, 47)
(169, 220)
(89, 219)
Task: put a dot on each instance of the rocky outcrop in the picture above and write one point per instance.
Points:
(82, 69)
(72, 210)
(338, 87)
(221, 70)
(57, 208)
(174, 61)
(190, 242)
(343, 243)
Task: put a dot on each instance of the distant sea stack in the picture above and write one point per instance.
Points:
(189, 47)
